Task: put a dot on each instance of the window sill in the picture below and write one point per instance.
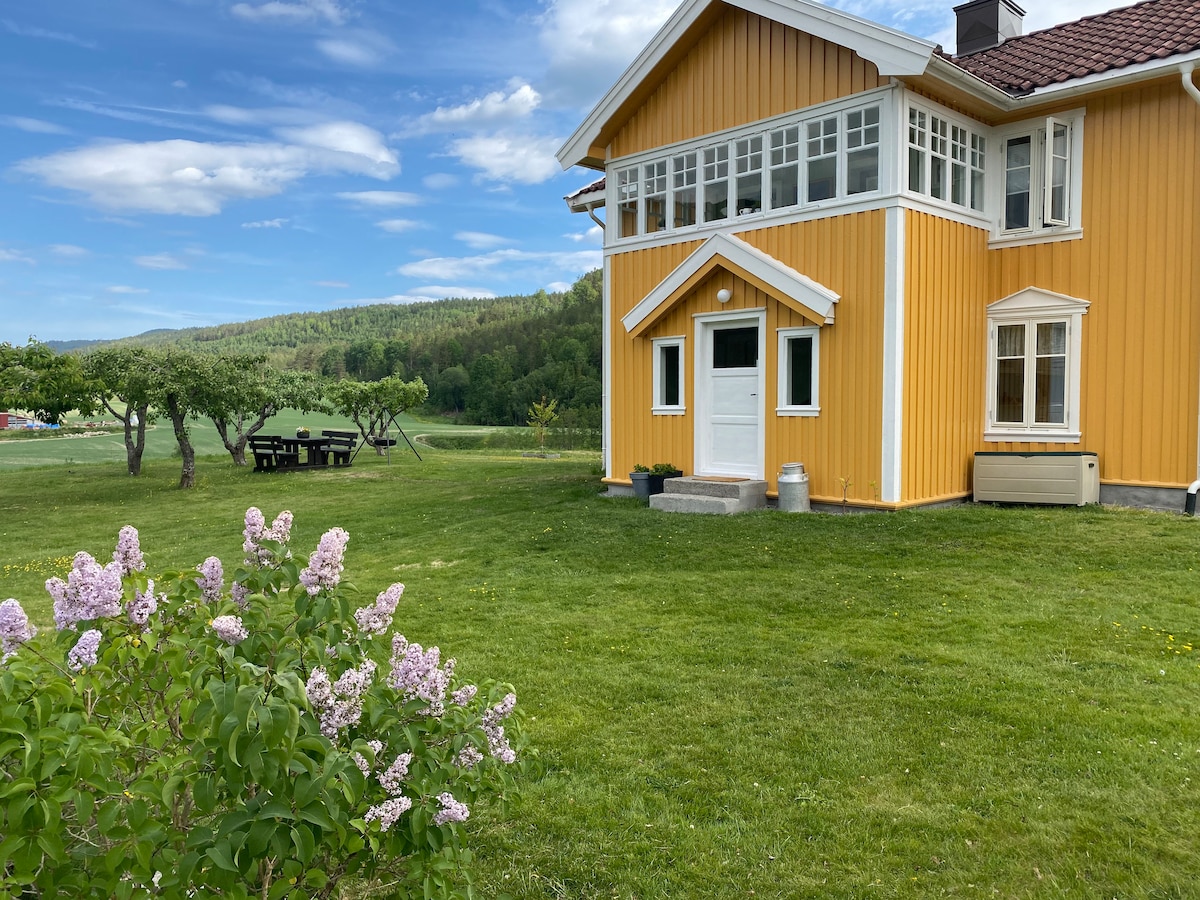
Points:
(668, 410)
(1041, 236)
(1030, 436)
(797, 410)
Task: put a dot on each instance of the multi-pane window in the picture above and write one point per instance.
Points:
(822, 152)
(716, 183)
(656, 195)
(748, 163)
(798, 367)
(833, 156)
(862, 150)
(683, 183)
(785, 166)
(946, 158)
(1034, 364)
(1037, 177)
(627, 202)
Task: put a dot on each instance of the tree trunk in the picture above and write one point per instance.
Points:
(134, 447)
(187, 475)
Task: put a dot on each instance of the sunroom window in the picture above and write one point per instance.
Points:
(716, 183)
(946, 158)
(683, 183)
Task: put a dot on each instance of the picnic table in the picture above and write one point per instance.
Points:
(273, 451)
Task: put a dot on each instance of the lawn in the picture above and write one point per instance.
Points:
(973, 702)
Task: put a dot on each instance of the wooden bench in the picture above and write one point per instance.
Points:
(263, 449)
(339, 446)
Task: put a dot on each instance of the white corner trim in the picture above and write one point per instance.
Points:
(893, 53)
(891, 473)
(783, 279)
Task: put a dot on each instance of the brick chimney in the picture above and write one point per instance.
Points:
(984, 24)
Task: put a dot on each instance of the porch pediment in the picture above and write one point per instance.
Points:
(1033, 301)
(722, 251)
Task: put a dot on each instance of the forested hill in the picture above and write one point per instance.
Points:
(486, 359)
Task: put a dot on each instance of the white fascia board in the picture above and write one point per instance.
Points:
(893, 53)
(783, 279)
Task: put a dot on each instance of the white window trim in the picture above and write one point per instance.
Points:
(1037, 233)
(784, 408)
(657, 408)
(1031, 307)
(970, 126)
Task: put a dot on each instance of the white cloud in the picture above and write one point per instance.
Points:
(266, 223)
(589, 42)
(331, 284)
(440, 181)
(558, 287)
(197, 179)
(33, 126)
(479, 240)
(494, 109)
(291, 13)
(364, 49)
(69, 251)
(508, 157)
(510, 263)
(14, 256)
(344, 137)
(160, 261)
(381, 198)
(179, 83)
(398, 226)
(594, 235)
(125, 289)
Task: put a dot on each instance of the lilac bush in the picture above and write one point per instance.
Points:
(262, 739)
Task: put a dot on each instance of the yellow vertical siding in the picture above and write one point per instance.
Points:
(743, 69)
(1136, 264)
(845, 253)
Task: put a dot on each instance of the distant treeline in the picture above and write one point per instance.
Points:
(485, 360)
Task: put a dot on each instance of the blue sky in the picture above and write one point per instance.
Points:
(172, 163)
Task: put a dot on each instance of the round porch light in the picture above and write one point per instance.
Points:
(724, 295)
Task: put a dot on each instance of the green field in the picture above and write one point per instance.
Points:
(967, 702)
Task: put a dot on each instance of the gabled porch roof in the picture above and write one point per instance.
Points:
(723, 251)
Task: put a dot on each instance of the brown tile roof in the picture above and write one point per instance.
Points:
(1124, 37)
(578, 200)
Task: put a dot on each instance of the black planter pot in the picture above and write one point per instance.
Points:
(645, 484)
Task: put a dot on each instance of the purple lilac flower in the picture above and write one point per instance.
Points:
(498, 744)
(415, 673)
(129, 552)
(339, 705)
(91, 591)
(377, 619)
(451, 811)
(388, 812)
(211, 580)
(230, 629)
(391, 779)
(15, 628)
(464, 695)
(240, 594)
(468, 757)
(362, 762)
(83, 654)
(143, 605)
(324, 569)
(256, 532)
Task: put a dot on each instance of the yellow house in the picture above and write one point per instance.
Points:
(828, 242)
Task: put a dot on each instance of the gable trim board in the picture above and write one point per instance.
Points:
(892, 52)
(725, 251)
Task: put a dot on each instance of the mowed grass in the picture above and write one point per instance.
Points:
(969, 702)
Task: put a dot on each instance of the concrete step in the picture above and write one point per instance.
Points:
(714, 495)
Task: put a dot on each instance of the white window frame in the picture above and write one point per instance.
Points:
(784, 408)
(1043, 224)
(1032, 307)
(658, 407)
(928, 135)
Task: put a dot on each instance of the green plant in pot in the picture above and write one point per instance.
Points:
(649, 480)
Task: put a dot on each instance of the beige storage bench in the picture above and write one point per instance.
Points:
(1058, 478)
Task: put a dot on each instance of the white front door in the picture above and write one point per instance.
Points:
(729, 385)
